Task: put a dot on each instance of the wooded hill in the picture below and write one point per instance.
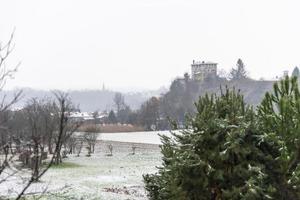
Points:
(179, 100)
(252, 90)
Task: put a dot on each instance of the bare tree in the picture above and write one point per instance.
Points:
(91, 139)
(7, 72)
(78, 147)
(5, 104)
(67, 126)
(41, 124)
(133, 149)
(71, 144)
(119, 101)
(110, 149)
(33, 110)
(65, 129)
(223, 74)
(49, 117)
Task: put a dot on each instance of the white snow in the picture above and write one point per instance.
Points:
(149, 137)
(100, 177)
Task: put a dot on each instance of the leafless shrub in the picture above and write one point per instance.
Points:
(78, 147)
(133, 149)
(110, 149)
(91, 139)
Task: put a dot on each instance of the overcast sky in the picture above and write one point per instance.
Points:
(145, 44)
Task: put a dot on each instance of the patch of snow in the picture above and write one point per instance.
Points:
(147, 137)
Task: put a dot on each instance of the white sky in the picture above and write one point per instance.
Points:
(78, 44)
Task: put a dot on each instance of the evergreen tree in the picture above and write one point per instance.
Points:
(112, 117)
(123, 115)
(230, 152)
(149, 113)
(296, 72)
(279, 123)
(216, 158)
(240, 72)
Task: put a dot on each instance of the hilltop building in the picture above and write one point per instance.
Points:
(203, 70)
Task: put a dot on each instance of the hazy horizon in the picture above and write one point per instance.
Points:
(117, 89)
(145, 44)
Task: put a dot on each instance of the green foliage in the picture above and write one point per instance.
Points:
(232, 152)
(279, 123)
(215, 159)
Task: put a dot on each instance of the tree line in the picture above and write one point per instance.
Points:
(147, 115)
(157, 112)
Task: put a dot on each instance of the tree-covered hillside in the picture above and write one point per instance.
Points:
(179, 100)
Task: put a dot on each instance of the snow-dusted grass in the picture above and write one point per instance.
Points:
(66, 165)
(147, 137)
(99, 176)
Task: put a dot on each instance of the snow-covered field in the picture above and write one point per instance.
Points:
(117, 177)
(150, 137)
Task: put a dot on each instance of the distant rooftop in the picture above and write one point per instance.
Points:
(203, 62)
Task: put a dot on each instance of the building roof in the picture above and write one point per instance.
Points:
(203, 62)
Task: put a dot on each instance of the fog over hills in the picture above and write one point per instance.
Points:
(87, 100)
(91, 100)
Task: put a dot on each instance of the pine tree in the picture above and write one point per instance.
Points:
(112, 117)
(240, 72)
(228, 151)
(216, 158)
(296, 72)
(279, 123)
